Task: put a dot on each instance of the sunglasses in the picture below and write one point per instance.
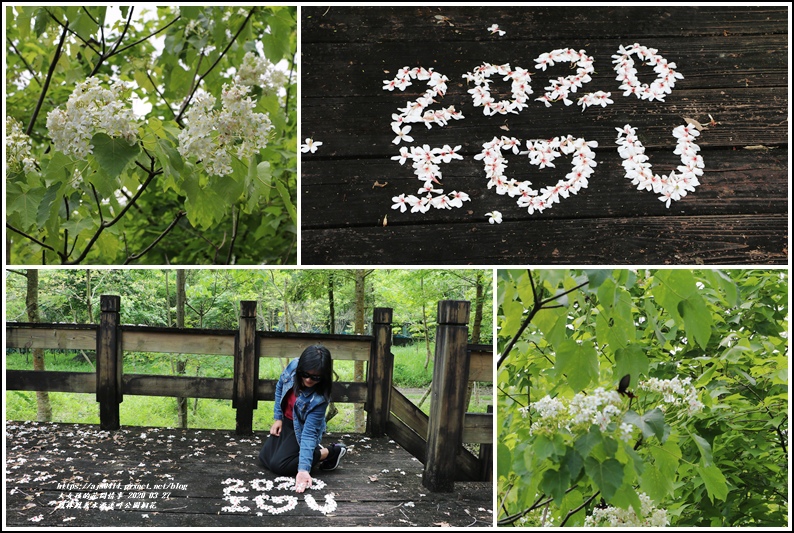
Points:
(313, 377)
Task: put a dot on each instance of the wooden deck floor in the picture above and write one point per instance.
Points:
(735, 66)
(80, 476)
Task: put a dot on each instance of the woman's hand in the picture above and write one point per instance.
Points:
(275, 429)
(303, 481)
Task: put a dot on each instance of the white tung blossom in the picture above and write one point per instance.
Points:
(18, 156)
(213, 136)
(617, 517)
(89, 110)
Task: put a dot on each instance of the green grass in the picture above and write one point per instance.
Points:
(409, 372)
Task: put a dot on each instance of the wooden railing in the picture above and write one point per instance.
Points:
(429, 438)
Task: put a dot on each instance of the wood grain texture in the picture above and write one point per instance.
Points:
(184, 473)
(735, 67)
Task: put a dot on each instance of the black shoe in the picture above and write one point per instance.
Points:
(335, 454)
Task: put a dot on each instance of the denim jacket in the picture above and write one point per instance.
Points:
(308, 415)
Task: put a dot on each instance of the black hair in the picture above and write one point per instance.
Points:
(316, 359)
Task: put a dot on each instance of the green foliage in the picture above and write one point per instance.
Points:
(716, 458)
(122, 198)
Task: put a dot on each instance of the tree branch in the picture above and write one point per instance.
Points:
(574, 511)
(105, 225)
(538, 306)
(46, 86)
(222, 54)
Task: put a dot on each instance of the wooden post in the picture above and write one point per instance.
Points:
(109, 363)
(447, 407)
(246, 369)
(380, 373)
(486, 458)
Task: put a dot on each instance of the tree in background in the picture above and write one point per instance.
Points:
(160, 135)
(643, 398)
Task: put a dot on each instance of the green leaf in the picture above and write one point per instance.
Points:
(504, 460)
(626, 496)
(716, 485)
(264, 176)
(577, 362)
(282, 190)
(697, 319)
(704, 447)
(656, 483)
(555, 483)
(608, 476)
(26, 203)
(113, 155)
(650, 423)
(586, 442)
(631, 360)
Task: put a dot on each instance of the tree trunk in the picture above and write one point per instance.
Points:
(88, 305)
(331, 309)
(424, 323)
(43, 408)
(358, 367)
(181, 364)
(477, 323)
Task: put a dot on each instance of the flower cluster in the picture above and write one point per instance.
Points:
(673, 186)
(256, 71)
(481, 95)
(675, 392)
(329, 507)
(290, 501)
(426, 163)
(617, 517)
(213, 135)
(542, 154)
(562, 87)
(627, 73)
(414, 112)
(599, 407)
(91, 109)
(18, 156)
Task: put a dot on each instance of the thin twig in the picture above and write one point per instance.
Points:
(236, 217)
(32, 238)
(148, 36)
(165, 232)
(33, 73)
(579, 508)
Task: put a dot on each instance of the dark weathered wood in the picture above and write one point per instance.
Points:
(407, 438)
(176, 340)
(246, 369)
(408, 24)
(35, 380)
(403, 409)
(481, 365)
(448, 396)
(342, 347)
(380, 372)
(735, 66)
(486, 457)
(477, 427)
(742, 239)
(183, 473)
(109, 363)
(51, 336)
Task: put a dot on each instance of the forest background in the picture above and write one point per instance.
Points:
(308, 300)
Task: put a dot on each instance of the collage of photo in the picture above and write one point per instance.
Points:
(397, 266)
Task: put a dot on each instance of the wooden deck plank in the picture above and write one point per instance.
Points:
(735, 67)
(180, 476)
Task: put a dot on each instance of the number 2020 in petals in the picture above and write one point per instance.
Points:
(427, 161)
